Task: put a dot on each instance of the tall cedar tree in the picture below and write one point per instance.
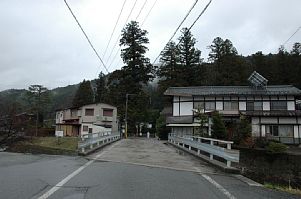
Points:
(190, 59)
(138, 67)
(169, 71)
(100, 88)
(84, 94)
(132, 77)
(230, 69)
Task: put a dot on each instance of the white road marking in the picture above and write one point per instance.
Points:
(218, 186)
(64, 181)
(76, 172)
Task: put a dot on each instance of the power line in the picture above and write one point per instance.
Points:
(86, 36)
(141, 10)
(291, 36)
(122, 29)
(140, 26)
(149, 12)
(188, 13)
(114, 28)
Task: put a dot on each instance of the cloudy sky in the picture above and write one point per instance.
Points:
(40, 43)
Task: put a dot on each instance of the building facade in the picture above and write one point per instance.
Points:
(91, 118)
(271, 110)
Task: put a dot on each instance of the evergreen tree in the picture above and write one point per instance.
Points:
(84, 94)
(230, 69)
(218, 129)
(243, 131)
(138, 68)
(100, 88)
(38, 97)
(169, 71)
(190, 59)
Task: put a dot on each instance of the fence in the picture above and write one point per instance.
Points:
(210, 146)
(94, 140)
(286, 140)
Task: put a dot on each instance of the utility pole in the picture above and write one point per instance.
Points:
(126, 116)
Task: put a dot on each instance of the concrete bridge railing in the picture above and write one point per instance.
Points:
(93, 141)
(213, 147)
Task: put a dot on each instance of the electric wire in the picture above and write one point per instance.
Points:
(149, 12)
(141, 10)
(89, 41)
(122, 29)
(114, 28)
(291, 36)
(189, 27)
(153, 5)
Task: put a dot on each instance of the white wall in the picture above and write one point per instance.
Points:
(296, 131)
(219, 106)
(291, 106)
(242, 106)
(186, 108)
(266, 106)
(175, 109)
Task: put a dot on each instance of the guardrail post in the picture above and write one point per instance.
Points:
(91, 146)
(229, 146)
(198, 149)
(211, 155)
(83, 150)
(228, 163)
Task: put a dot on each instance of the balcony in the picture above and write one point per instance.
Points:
(180, 119)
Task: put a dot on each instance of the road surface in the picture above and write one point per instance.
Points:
(127, 169)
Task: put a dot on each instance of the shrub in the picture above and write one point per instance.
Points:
(274, 147)
(218, 127)
(261, 142)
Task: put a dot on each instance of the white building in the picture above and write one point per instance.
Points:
(271, 109)
(91, 118)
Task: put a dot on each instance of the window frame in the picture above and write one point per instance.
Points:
(86, 109)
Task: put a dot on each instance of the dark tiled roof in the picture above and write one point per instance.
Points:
(272, 113)
(232, 90)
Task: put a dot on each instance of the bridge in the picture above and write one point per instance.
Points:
(127, 168)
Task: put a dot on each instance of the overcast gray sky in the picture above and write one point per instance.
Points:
(40, 43)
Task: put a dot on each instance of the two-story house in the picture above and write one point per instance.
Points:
(271, 109)
(91, 118)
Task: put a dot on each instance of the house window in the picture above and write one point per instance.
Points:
(89, 112)
(286, 130)
(281, 130)
(90, 130)
(230, 106)
(272, 130)
(107, 112)
(278, 105)
(73, 113)
(85, 128)
(254, 106)
(198, 105)
(210, 106)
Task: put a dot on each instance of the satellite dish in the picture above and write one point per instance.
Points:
(257, 80)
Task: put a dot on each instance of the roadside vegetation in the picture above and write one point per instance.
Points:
(283, 188)
(47, 145)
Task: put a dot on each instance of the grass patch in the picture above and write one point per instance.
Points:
(282, 188)
(67, 143)
(46, 145)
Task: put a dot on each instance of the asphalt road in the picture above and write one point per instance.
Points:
(148, 169)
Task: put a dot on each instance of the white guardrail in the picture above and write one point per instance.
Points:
(211, 146)
(93, 140)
